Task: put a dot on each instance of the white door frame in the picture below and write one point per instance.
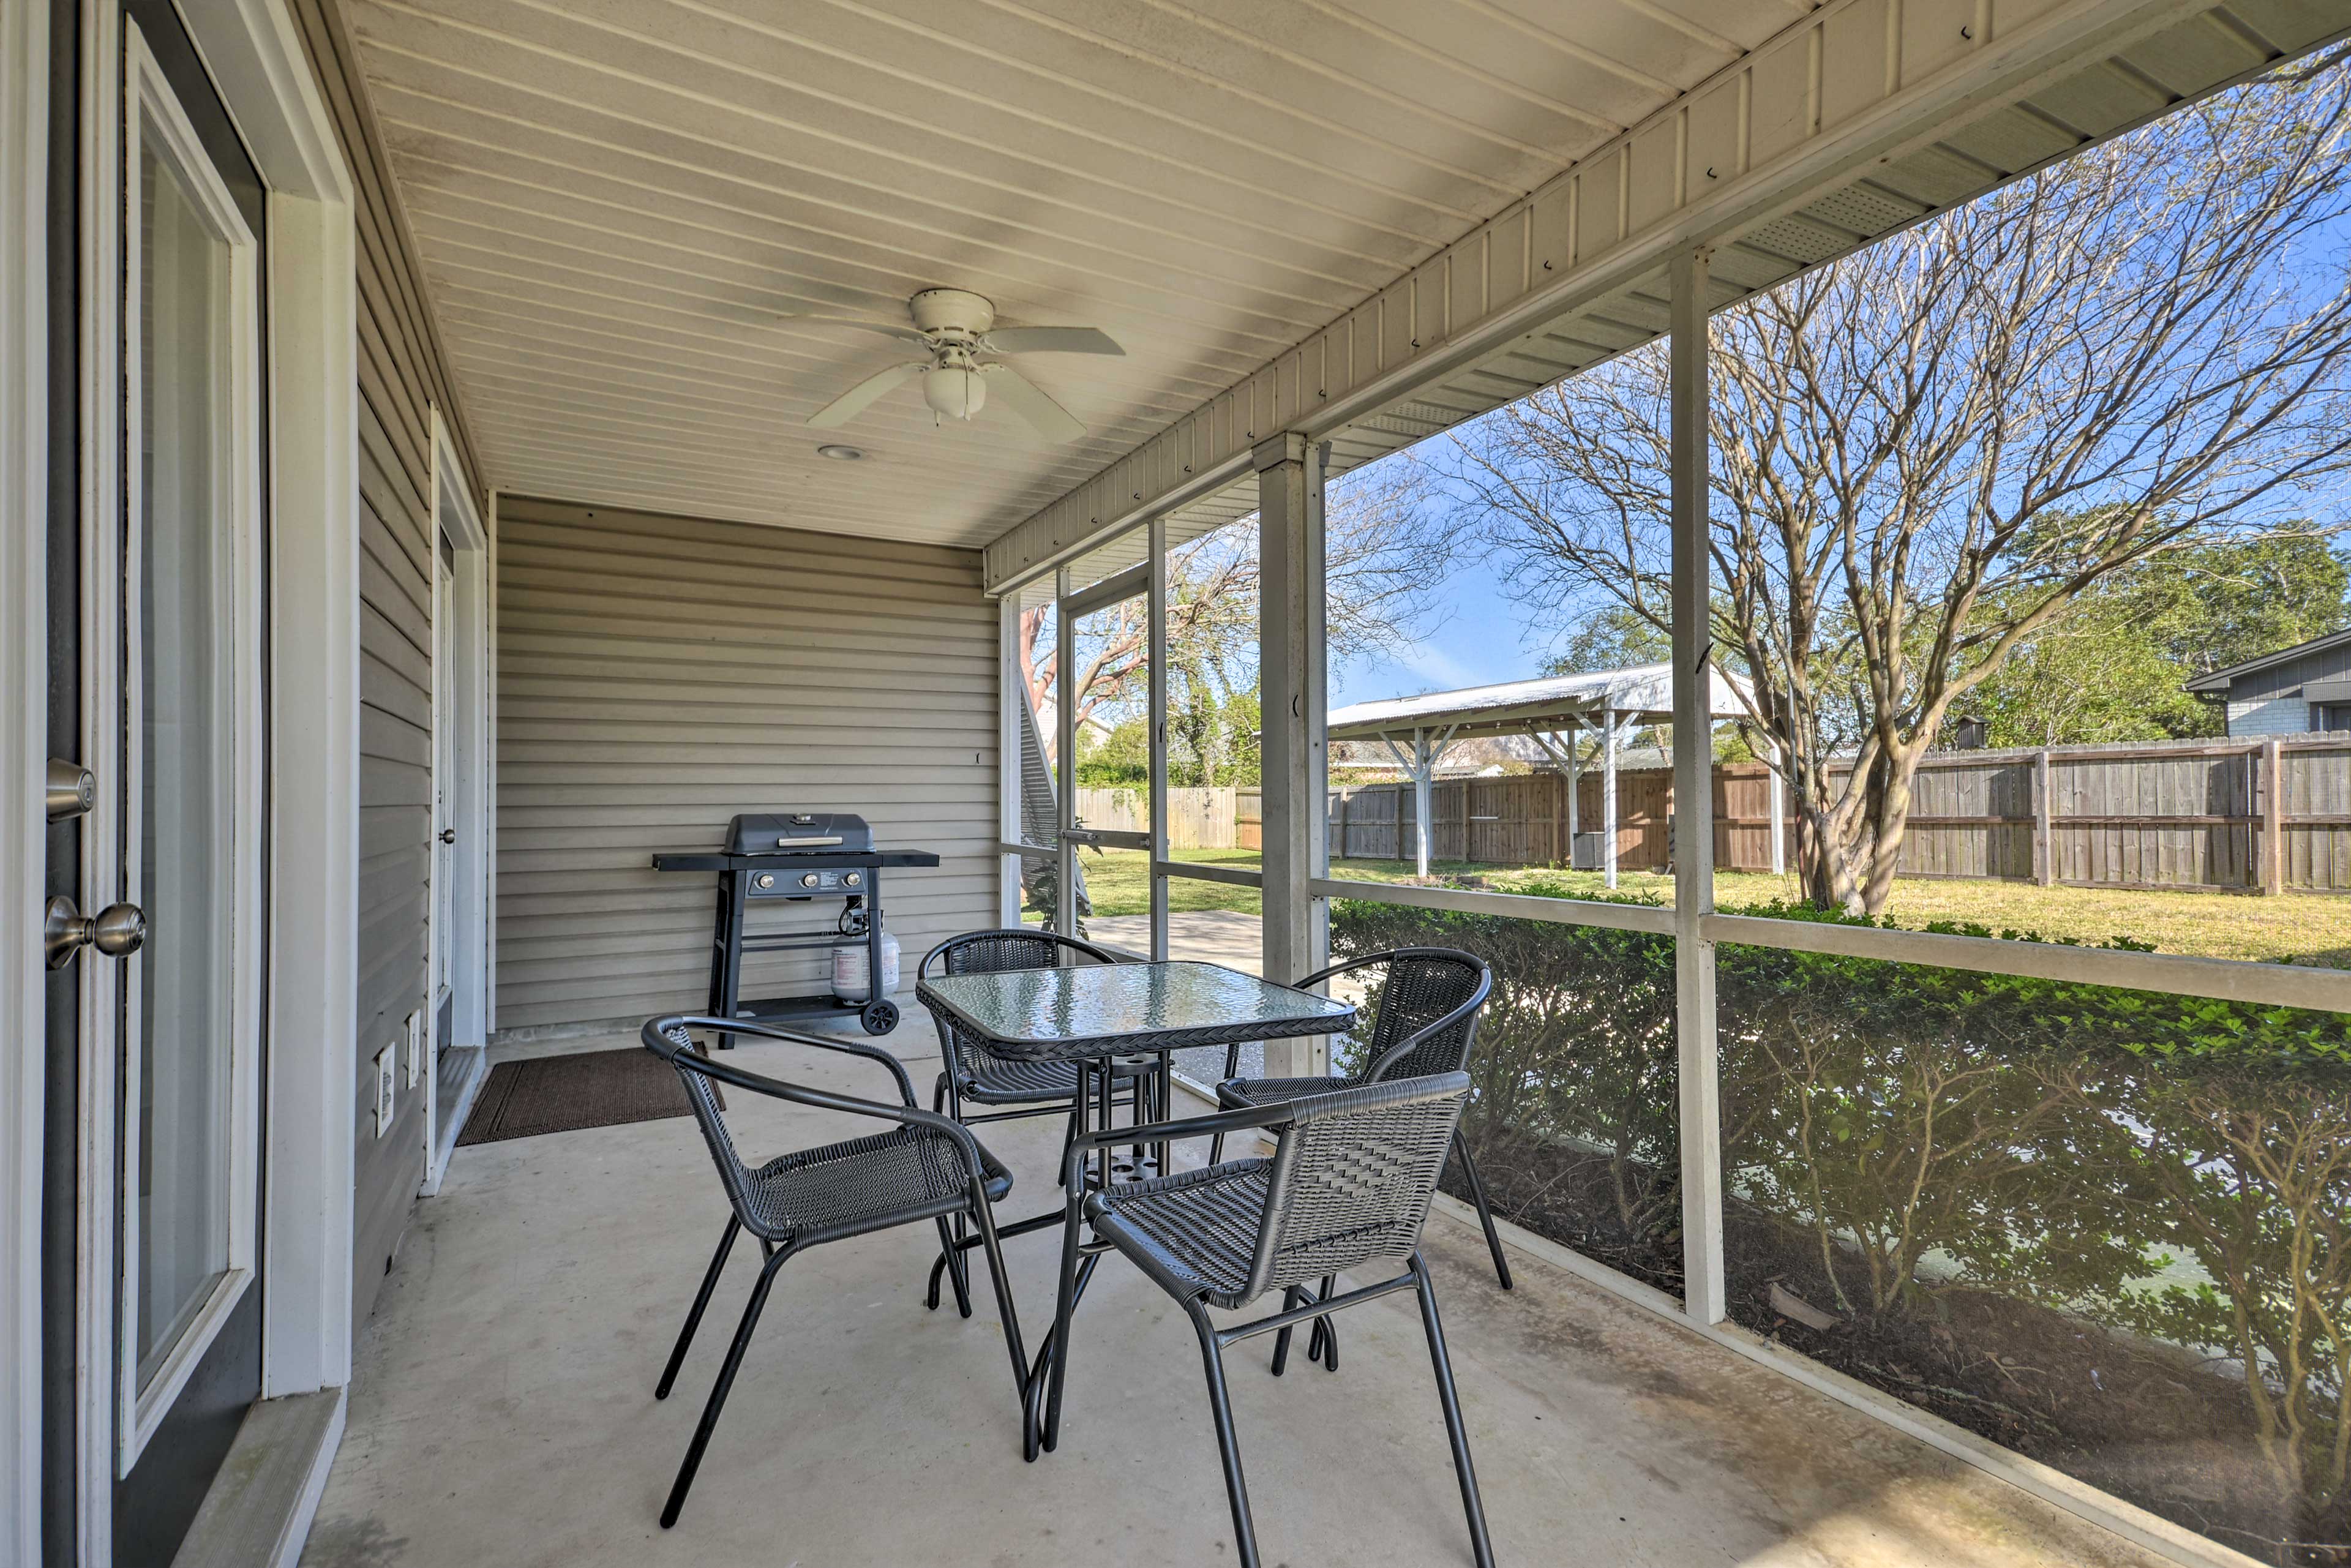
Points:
(255, 54)
(461, 699)
(24, 744)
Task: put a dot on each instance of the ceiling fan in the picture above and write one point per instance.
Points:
(965, 347)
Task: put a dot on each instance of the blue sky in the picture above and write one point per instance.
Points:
(1479, 640)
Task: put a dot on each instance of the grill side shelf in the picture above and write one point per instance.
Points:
(871, 859)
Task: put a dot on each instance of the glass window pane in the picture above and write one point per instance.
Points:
(186, 723)
(1114, 690)
(2108, 1228)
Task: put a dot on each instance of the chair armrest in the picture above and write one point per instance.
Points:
(1233, 1121)
(657, 1040)
(909, 1114)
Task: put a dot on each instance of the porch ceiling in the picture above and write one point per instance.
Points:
(615, 200)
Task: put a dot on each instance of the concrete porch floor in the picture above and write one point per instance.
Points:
(502, 1413)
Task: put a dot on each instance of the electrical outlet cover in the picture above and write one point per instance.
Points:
(383, 1092)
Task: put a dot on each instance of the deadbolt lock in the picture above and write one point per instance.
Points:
(71, 789)
(116, 931)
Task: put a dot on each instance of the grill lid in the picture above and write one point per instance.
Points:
(799, 832)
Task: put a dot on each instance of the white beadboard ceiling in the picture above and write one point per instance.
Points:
(615, 200)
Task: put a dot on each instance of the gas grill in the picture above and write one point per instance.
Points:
(783, 858)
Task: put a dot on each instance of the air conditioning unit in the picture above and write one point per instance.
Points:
(1587, 853)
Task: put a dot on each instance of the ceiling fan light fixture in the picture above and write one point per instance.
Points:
(953, 391)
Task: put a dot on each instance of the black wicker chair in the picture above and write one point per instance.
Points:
(1425, 1021)
(1350, 1180)
(973, 1075)
(924, 1168)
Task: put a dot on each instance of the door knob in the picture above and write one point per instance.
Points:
(116, 931)
(448, 835)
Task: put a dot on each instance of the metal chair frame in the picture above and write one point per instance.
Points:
(1289, 1120)
(670, 1038)
(956, 1080)
(1377, 1069)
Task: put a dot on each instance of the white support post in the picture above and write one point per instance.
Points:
(1317, 691)
(1778, 790)
(1424, 797)
(1572, 789)
(1012, 688)
(1065, 757)
(1285, 622)
(1156, 730)
(1703, 1287)
(1608, 795)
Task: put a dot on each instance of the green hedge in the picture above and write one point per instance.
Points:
(2163, 1167)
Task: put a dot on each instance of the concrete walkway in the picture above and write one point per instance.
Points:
(503, 1410)
(1209, 936)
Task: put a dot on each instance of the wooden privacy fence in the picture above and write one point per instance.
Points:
(2271, 813)
(1197, 819)
(2180, 814)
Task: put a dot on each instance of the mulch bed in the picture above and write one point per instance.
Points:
(2136, 1419)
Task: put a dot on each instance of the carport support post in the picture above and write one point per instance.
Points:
(1572, 789)
(1286, 656)
(1693, 696)
(1424, 800)
(1608, 794)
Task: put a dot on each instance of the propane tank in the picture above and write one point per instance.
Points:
(849, 983)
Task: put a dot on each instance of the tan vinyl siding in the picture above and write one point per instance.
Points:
(402, 378)
(658, 675)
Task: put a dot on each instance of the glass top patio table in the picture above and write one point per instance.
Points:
(1042, 1014)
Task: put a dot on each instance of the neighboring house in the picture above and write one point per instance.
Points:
(2305, 688)
(1091, 730)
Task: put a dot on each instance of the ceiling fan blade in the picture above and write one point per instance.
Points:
(1054, 341)
(888, 330)
(1049, 418)
(857, 398)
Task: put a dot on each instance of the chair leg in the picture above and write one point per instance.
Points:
(1065, 1303)
(1323, 1345)
(719, 1390)
(951, 1262)
(1292, 1298)
(992, 1249)
(1485, 1209)
(1217, 1149)
(700, 1301)
(1220, 1406)
(1472, 1505)
(950, 1258)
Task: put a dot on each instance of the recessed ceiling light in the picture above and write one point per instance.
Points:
(841, 454)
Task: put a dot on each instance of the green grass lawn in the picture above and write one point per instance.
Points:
(2314, 928)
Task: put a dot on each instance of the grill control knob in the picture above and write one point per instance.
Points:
(851, 880)
(765, 879)
(809, 879)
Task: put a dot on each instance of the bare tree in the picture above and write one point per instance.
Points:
(1385, 554)
(1926, 452)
